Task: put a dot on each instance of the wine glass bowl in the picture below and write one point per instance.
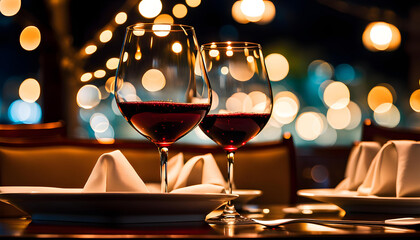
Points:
(242, 103)
(161, 86)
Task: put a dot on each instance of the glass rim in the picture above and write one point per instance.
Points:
(231, 45)
(149, 27)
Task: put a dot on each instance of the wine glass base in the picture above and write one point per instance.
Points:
(230, 219)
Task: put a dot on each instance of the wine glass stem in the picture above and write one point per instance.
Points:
(163, 152)
(229, 208)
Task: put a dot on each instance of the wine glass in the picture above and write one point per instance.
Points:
(242, 103)
(161, 86)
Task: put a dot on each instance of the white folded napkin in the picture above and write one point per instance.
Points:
(113, 173)
(395, 171)
(358, 164)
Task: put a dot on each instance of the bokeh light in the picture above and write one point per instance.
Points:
(109, 84)
(345, 73)
(237, 13)
(150, 8)
(241, 71)
(286, 107)
(339, 118)
(336, 95)
(86, 77)
(120, 18)
(30, 38)
(320, 70)
(91, 49)
(153, 80)
(319, 173)
(415, 100)
(179, 10)
(100, 73)
(309, 125)
(88, 97)
(356, 115)
(161, 30)
(105, 36)
(112, 63)
(253, 9)
(390, 118)
(277, 66)
(176, 47)
(164, 18)
(381, 36)
(107, 136)
(378, 96)
(128, 92)
(328, 137)
(99, 122)
(23, 112)
(269, 13)
(193, 3)
(29, 90)
(9, 7)
(239, 102)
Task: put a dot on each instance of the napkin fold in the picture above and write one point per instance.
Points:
(113, 173)
(395, 171)
(358, 163)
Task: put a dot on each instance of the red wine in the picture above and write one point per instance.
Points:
(163, 122)
(232, 131)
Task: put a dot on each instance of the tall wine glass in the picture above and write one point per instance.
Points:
(242, 103)
(161, 86)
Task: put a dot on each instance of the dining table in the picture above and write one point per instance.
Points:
(25, 228)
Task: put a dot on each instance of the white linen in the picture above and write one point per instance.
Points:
(395, 171)
(358, 164)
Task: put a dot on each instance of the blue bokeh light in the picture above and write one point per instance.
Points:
(24, 112)
(345, 73)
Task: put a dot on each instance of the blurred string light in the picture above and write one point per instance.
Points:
(10, 7)
(29, 90)
(381, 36)
(30, 38)
(258, 11)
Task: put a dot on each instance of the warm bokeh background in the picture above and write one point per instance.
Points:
(332, 63)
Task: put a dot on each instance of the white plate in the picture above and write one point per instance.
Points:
(245, 195)
(116, 207)
(351, 202)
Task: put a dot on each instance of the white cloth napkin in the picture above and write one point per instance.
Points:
(395, 171)
(113, 173)
(358, 164)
